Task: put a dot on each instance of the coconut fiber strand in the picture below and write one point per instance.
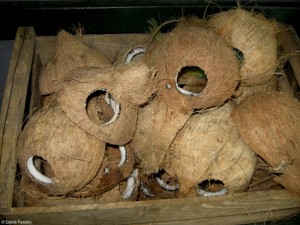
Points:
(70, 53)
(255, 37)
(73, 156)
(208, 148)
(270, 124)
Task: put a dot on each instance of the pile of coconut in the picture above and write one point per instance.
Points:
(194, 112)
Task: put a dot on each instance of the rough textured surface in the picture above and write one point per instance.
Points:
(270, 124)
(70, 53)
(244, 91)
(124, 83)
(109, 174)
(73, 156)
(255, 36)
(208, 147)
(157, 126)
(192, 44)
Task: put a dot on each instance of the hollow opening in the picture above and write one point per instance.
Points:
(211, 185)
(102, 108)
(116, 155)
(166, 181)
(239, 54)
(40, 169)
(134, 54)
(191, 80)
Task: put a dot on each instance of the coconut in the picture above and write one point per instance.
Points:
(209, 150)
(194, 47)
(56, 154)
(70, 53)
(157, 126)
(269, 123)
(34, 197)
(113, 170)
(104, 102)
(254, 37)
(244, 91)
(158, 186)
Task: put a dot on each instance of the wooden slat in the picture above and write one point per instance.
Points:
(242, 208)
(35, 99)
(9, 80)
(284, 85)
(113, 46)
(253, 218)
(291, 47)
(13, 111)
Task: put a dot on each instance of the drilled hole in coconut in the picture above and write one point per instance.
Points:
(239, 55)
(211, 188)
(40, 169)
(117, 153)
(102, 108)
(191, 80)
(134, 54)
(165, 181)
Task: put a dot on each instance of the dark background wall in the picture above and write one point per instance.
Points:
(127, 16)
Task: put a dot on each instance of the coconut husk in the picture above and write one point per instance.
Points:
(198, 46)
(157, 126)
(263, 179)
(124, 83)
(133, 54)
(244, 91)
(34, 197)
(70, 53)
(156, 191)
(269, 123)
(255, 36)
(136, 82)
(208, 148)
(109, 174)
(73, 156)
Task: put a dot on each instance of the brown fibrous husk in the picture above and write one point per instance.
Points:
(158, 192)
(34, 197)
(73, 156)
(70, 53)
(208, 148)
(269, 123)
(130, 85)
(100, 190)
(198, 46)
(255, 36)
(244, 91)
(263, 179)
(157, 126)
(109, 174)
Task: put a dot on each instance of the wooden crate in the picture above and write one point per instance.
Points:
(30, 52)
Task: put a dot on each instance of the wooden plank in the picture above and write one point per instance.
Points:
(274, 216)
(291, 47)
(113, 46)
(9, 80)
(14, 115)
(242, 208)
(35, 98)
(284, 85)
